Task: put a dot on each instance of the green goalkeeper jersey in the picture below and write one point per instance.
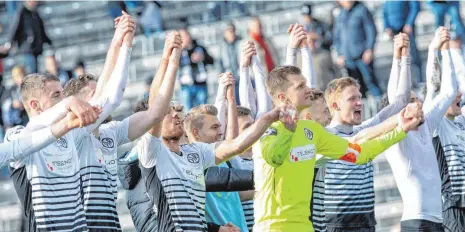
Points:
(284, 162)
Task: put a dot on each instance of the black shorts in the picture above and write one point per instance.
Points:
(454, 220)
(417, 225)
(351, 229)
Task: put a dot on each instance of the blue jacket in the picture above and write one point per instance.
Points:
(354, 32)
(396, 14)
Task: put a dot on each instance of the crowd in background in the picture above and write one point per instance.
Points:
(351, 33)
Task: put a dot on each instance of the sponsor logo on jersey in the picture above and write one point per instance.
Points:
(193, 158)
(308, 133)
(62, 142)
(459, 125)
(303, 153)
(108, 142)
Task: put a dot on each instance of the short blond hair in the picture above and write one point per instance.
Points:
(335, 88)
(195, 116)
(33, 87)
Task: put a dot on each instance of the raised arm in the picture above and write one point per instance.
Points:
(123, 25)
(233, 125)
(28, 142)
(297, 34)
(246, 91)
(220, 102)
(264, 103)
(143, 121)
(227, 149)
(433, 72)
(459, 65)
(395, 69)
(402, 91)
(448, 92)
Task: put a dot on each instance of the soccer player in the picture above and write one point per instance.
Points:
(288, 154)
(56, 186)
(448, 138)
(174, 173)
(37, 140)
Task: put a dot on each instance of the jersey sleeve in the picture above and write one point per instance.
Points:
(118, 131)
(276, 144)
(207, 154)
(148, 148)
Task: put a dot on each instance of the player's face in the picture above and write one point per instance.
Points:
(319, 112)
(454, 109)
(53, 93)
(350, 105)
(172, 125)
(298, 92)
(210, 131)
(244, 122)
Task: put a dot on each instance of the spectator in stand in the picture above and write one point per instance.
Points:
(230, 50)
(53, 67)
(79, 69)
(115, 8)
(319, 36)
(266, 50)
(13, 110)
(28, 32)
(194, 59)
(399, 16)
(440, 9)
(354, 39)
(151, 19)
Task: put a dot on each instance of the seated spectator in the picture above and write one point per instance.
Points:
(193, 71)
(53, 67)
(13, 110)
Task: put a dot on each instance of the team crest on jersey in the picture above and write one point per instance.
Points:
(308, 133)
(193, 158)
(62, 142)
(270, 131)
(459, 125)
(108, 142)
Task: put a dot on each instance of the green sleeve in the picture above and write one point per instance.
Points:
(327, 144)
(372, 148)
(276, 144)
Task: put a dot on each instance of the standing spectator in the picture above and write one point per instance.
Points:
(230, 50)
(115, 8)
(319, 36)
(194, 59)
(399, 16)
(440, 9)
(13, 112)
(28, 32)
(53, 67)
(151, 19)
(265, 47)
(354, 39)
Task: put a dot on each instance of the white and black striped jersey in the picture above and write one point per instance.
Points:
(450, 150)
(175, 182)
(247, 164)
(48, 184)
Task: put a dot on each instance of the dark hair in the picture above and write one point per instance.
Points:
(141, 105)
(76, 85)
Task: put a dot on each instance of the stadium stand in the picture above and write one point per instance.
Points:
(82, 30)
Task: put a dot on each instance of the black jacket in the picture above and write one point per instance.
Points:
(29, 32)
